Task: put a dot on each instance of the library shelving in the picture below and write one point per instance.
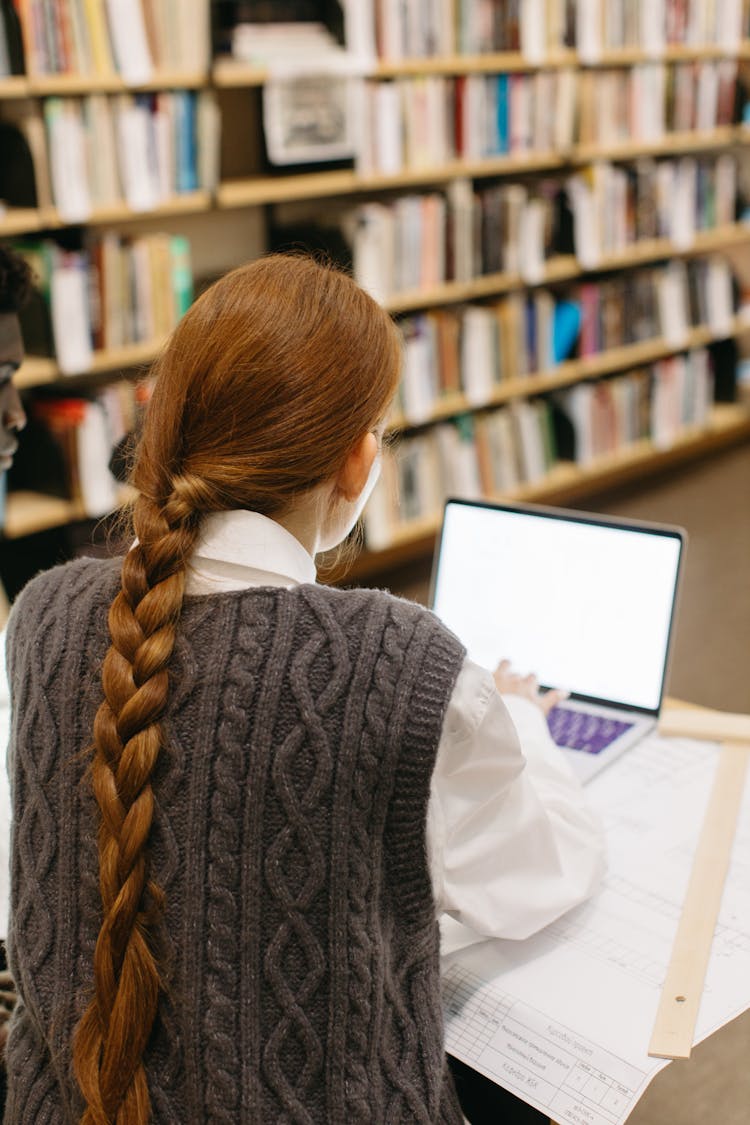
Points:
(246, 184)
(574, 371)
(567, 268)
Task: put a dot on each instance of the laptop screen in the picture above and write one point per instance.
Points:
(584, 603)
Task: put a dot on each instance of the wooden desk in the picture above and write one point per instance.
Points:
(669, 702)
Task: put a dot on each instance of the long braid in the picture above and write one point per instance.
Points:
(114, 1030)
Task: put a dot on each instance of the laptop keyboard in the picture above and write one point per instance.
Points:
(580, 730)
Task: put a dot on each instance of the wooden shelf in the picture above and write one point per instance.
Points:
(38, 371)
(689, 141)
(566, 268)
(729, 423)
(66, 85)
(18, 220)
(227, 72)
(27, 513)
(256, 190)
(17, 86)
(279, 189)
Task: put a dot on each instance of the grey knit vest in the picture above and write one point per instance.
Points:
(300, 937)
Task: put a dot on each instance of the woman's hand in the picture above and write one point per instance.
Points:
(509, 682)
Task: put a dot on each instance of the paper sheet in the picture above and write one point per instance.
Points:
(564, 1019)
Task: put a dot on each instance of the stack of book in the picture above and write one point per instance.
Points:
(652, 25)
(422, 240)
(538, 28)
(431, 120)
(103, 37)
(614, 206)
(497, 452)
(642, 103)
(114, 293)
(418, 28)
(141, 149)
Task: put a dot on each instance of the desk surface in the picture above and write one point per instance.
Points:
(564, 1019)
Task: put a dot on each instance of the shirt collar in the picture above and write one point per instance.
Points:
(254, 542)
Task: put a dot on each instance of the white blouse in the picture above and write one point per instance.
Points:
(512, 841)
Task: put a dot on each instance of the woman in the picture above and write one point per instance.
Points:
(226, 910)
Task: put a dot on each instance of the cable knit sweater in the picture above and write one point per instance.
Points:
(289, 837)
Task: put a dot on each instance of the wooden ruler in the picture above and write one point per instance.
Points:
(674, 1027)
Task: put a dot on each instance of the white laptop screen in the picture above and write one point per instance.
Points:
(586, 605)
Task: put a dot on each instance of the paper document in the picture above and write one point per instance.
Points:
(564, 1018)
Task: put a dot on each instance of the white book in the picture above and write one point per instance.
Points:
(193, 38)
(407, 271)
(387, 128)
(703, 385)
(503, 450)
(683, 203)
(533, 37)
(531, 263)
(707, 96)
(437, 122)
(725, 188)
(103, 152)
(530, 444)
(391, 30)
(143, 296)
(68, 164)
(71, 326)
(588, 30)
(163, 149)
(672, 300)
(359, 30)
(565, 108)
(373, 249)
(460, 196)
(128, 35)
(446, 27)
(478, 353)
(729, 25)
(418, 379)
(458, 460)
(137, 166)
(666, 412)
(94, 447)
(515, 198)
(586, 222)
(653, 27)
(719, 299)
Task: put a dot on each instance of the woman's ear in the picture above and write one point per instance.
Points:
(355, 471)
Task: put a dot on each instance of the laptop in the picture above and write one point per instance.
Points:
(586, 602)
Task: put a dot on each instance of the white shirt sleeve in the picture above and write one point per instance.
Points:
(511, 839)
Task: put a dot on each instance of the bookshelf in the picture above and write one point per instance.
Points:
(245, 185)
(728, 425)
(572, 372)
